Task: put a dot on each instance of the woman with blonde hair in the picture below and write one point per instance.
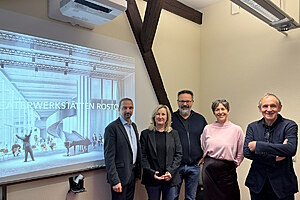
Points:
(161, 156)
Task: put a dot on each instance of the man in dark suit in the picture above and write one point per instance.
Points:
(122, 153)
(270, 143)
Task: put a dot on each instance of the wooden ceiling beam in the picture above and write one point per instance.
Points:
(182, 10)
(136, 24)
(150, 23)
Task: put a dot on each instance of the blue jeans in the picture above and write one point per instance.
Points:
(154, 192)
(190, 174)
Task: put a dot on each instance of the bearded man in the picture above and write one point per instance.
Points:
(189, 125)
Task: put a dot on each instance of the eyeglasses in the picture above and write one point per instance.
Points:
(185, 101)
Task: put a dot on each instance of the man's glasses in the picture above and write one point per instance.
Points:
(185, 101)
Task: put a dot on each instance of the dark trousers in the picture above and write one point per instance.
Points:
(155, 192)
(267, 193)
(200, 188)
(200, 192)
(127, 190)
(28, 150)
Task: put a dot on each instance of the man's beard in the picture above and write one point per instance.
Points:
(185, 110)
(127, 115)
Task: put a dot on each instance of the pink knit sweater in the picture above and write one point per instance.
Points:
(223, 141)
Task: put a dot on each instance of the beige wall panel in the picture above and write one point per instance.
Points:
(176, 48)
(242, 58)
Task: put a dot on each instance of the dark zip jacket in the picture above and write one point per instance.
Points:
(189, 131)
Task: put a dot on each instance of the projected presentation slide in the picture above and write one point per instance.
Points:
(55, 101)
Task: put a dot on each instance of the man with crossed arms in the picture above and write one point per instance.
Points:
(270, 143)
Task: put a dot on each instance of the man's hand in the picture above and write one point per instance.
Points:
(252, 146)
(137, 180)
(279, 158)
(117, 188)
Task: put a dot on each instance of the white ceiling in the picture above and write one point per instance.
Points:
(198, 4)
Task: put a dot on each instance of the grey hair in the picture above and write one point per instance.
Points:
(267, 95)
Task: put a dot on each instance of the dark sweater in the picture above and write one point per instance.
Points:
(160, 139)
(189, 131)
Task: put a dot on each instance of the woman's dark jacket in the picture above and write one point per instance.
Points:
(149, 157)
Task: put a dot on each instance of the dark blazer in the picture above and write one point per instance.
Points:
(118, 154)
(280, 174)
(149, 157)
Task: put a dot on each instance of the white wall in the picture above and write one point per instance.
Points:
(242, 58)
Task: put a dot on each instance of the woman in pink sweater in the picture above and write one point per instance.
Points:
(222, 143)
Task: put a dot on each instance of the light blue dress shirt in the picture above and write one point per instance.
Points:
(132, 137)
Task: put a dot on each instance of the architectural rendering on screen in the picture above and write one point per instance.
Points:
(55, 102)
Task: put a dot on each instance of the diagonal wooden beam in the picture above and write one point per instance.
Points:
(4, 192)
(150, 23)
(136, 24)
(182, 10)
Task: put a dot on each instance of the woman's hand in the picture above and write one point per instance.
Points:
(158, 177)
(167, 176)
(201, 161)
